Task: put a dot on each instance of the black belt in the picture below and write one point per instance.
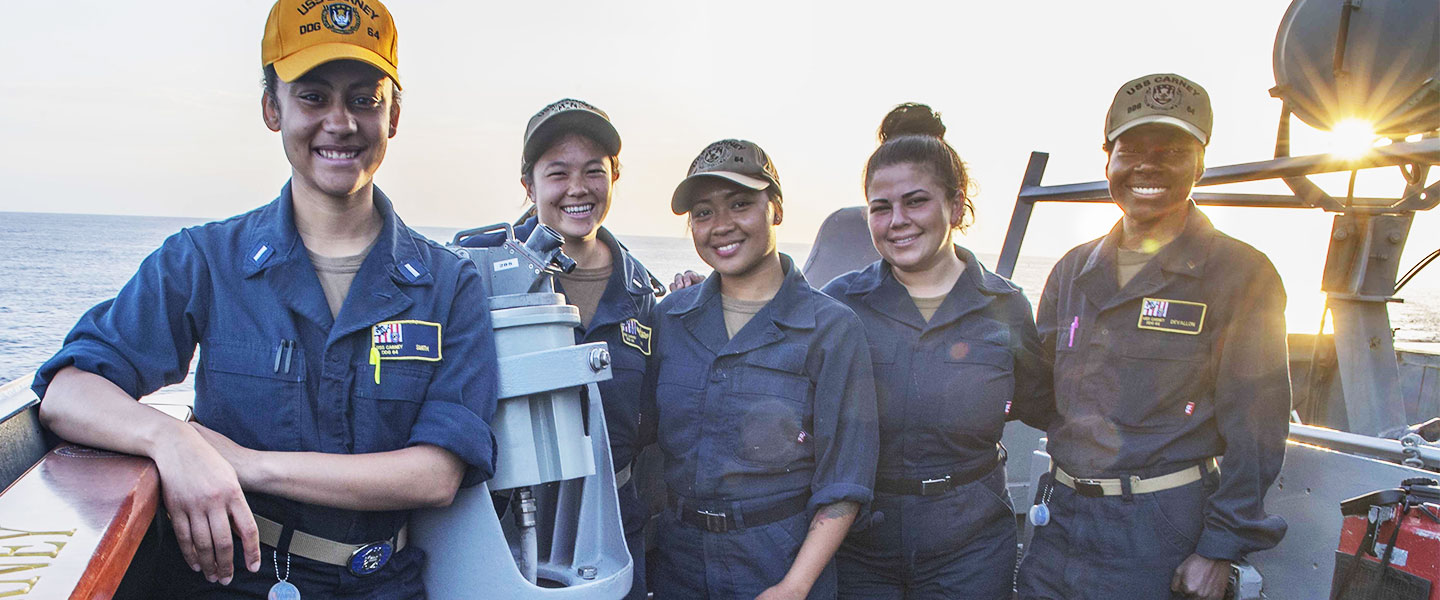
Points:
(935, 486)
(721, 521)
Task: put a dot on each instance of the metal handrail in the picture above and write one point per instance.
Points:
(1422, 152)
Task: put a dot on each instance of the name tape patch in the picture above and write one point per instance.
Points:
(636, 336)
(1174, 316)
(405, 340)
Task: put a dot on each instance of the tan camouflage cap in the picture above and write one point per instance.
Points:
(1161, 98)
(739, 161)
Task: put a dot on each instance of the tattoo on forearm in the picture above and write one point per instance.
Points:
(830, 512)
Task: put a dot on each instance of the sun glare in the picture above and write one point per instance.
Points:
(1351, 138)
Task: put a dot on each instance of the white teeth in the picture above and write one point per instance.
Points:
(728, 247)
(905, 240)
(1148, 190)
(578, 209)
(338, 155)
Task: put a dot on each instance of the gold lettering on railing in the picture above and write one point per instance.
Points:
(11, 588)
(9, 551)
(19, 533)
(17, 587)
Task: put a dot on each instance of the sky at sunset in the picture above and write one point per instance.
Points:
(152, 108)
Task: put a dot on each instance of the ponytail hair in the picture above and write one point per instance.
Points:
(914, 134)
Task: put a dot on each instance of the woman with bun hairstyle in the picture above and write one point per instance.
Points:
(956, 355)
(569, 163)
(765, 401)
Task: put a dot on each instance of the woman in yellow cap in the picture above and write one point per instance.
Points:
(310, 445)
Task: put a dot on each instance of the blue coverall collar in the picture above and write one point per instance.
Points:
(788, 309)
(877, 286)
(375, 293)
(1185, 256)
(275, 239)
(626, 288)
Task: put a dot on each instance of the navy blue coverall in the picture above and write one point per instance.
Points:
(1144, 394)
(783, 412)
(627, 304)
(945, 389)
(278, 373)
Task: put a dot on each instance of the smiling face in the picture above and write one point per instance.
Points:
(910, 218)
(571, 185)
(733, 227)
(335, 122)
(1151, 170)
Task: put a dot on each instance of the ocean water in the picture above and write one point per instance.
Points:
(57, 266)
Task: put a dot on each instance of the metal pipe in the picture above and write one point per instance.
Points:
(529, 558)
(1365, 445)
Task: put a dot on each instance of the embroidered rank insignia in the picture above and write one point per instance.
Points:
(1174, 316)
(636, 336)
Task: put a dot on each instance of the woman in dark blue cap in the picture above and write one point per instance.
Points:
(956, 355)
(569, 165)
(765, 401)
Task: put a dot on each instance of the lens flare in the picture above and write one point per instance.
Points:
(1351, 138)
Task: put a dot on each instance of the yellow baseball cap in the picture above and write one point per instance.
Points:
(303, 34)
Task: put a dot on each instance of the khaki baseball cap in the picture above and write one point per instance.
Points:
(738, 161)
(563, 116)
(1161, 98)
(303, 34)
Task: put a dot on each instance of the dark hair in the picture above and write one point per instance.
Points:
(271, 84)
(914, 134)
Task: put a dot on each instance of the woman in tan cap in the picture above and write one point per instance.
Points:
(956, 355)
(765, 401)
(569, 163)
(327, 405)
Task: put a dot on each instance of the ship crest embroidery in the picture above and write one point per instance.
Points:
(340, 18)
(1163, 96)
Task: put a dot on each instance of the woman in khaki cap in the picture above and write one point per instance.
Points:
(765, 401)
(339, 385)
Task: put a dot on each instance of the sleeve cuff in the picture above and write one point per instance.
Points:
(91, 357)
(1217, 545)
(840, 492)
(455, 428)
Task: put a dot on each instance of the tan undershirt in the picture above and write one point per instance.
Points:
(336, 273)
(1129, 262)
(928, 306)
(584, 287)
(739, 312)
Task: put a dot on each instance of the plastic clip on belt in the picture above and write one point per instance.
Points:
(938, 485)
(721, 521)
(361, 559)
(1095, 488)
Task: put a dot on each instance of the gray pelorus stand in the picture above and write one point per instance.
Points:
(548, 524)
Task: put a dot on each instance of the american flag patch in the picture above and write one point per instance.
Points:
(630, 327)
(1154, 308)
(1007, 407)
(387, 333)
(1189, 408)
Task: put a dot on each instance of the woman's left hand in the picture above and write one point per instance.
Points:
(782, 591)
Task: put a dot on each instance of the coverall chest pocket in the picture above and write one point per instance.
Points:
(251, 393)
(384, 413)
(772, 406)
(1152, 381)
(678, 399)
(975, 381)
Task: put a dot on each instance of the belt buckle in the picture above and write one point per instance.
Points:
(370, 558)
(714, 521)
(1089, 488)
(940, 486)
